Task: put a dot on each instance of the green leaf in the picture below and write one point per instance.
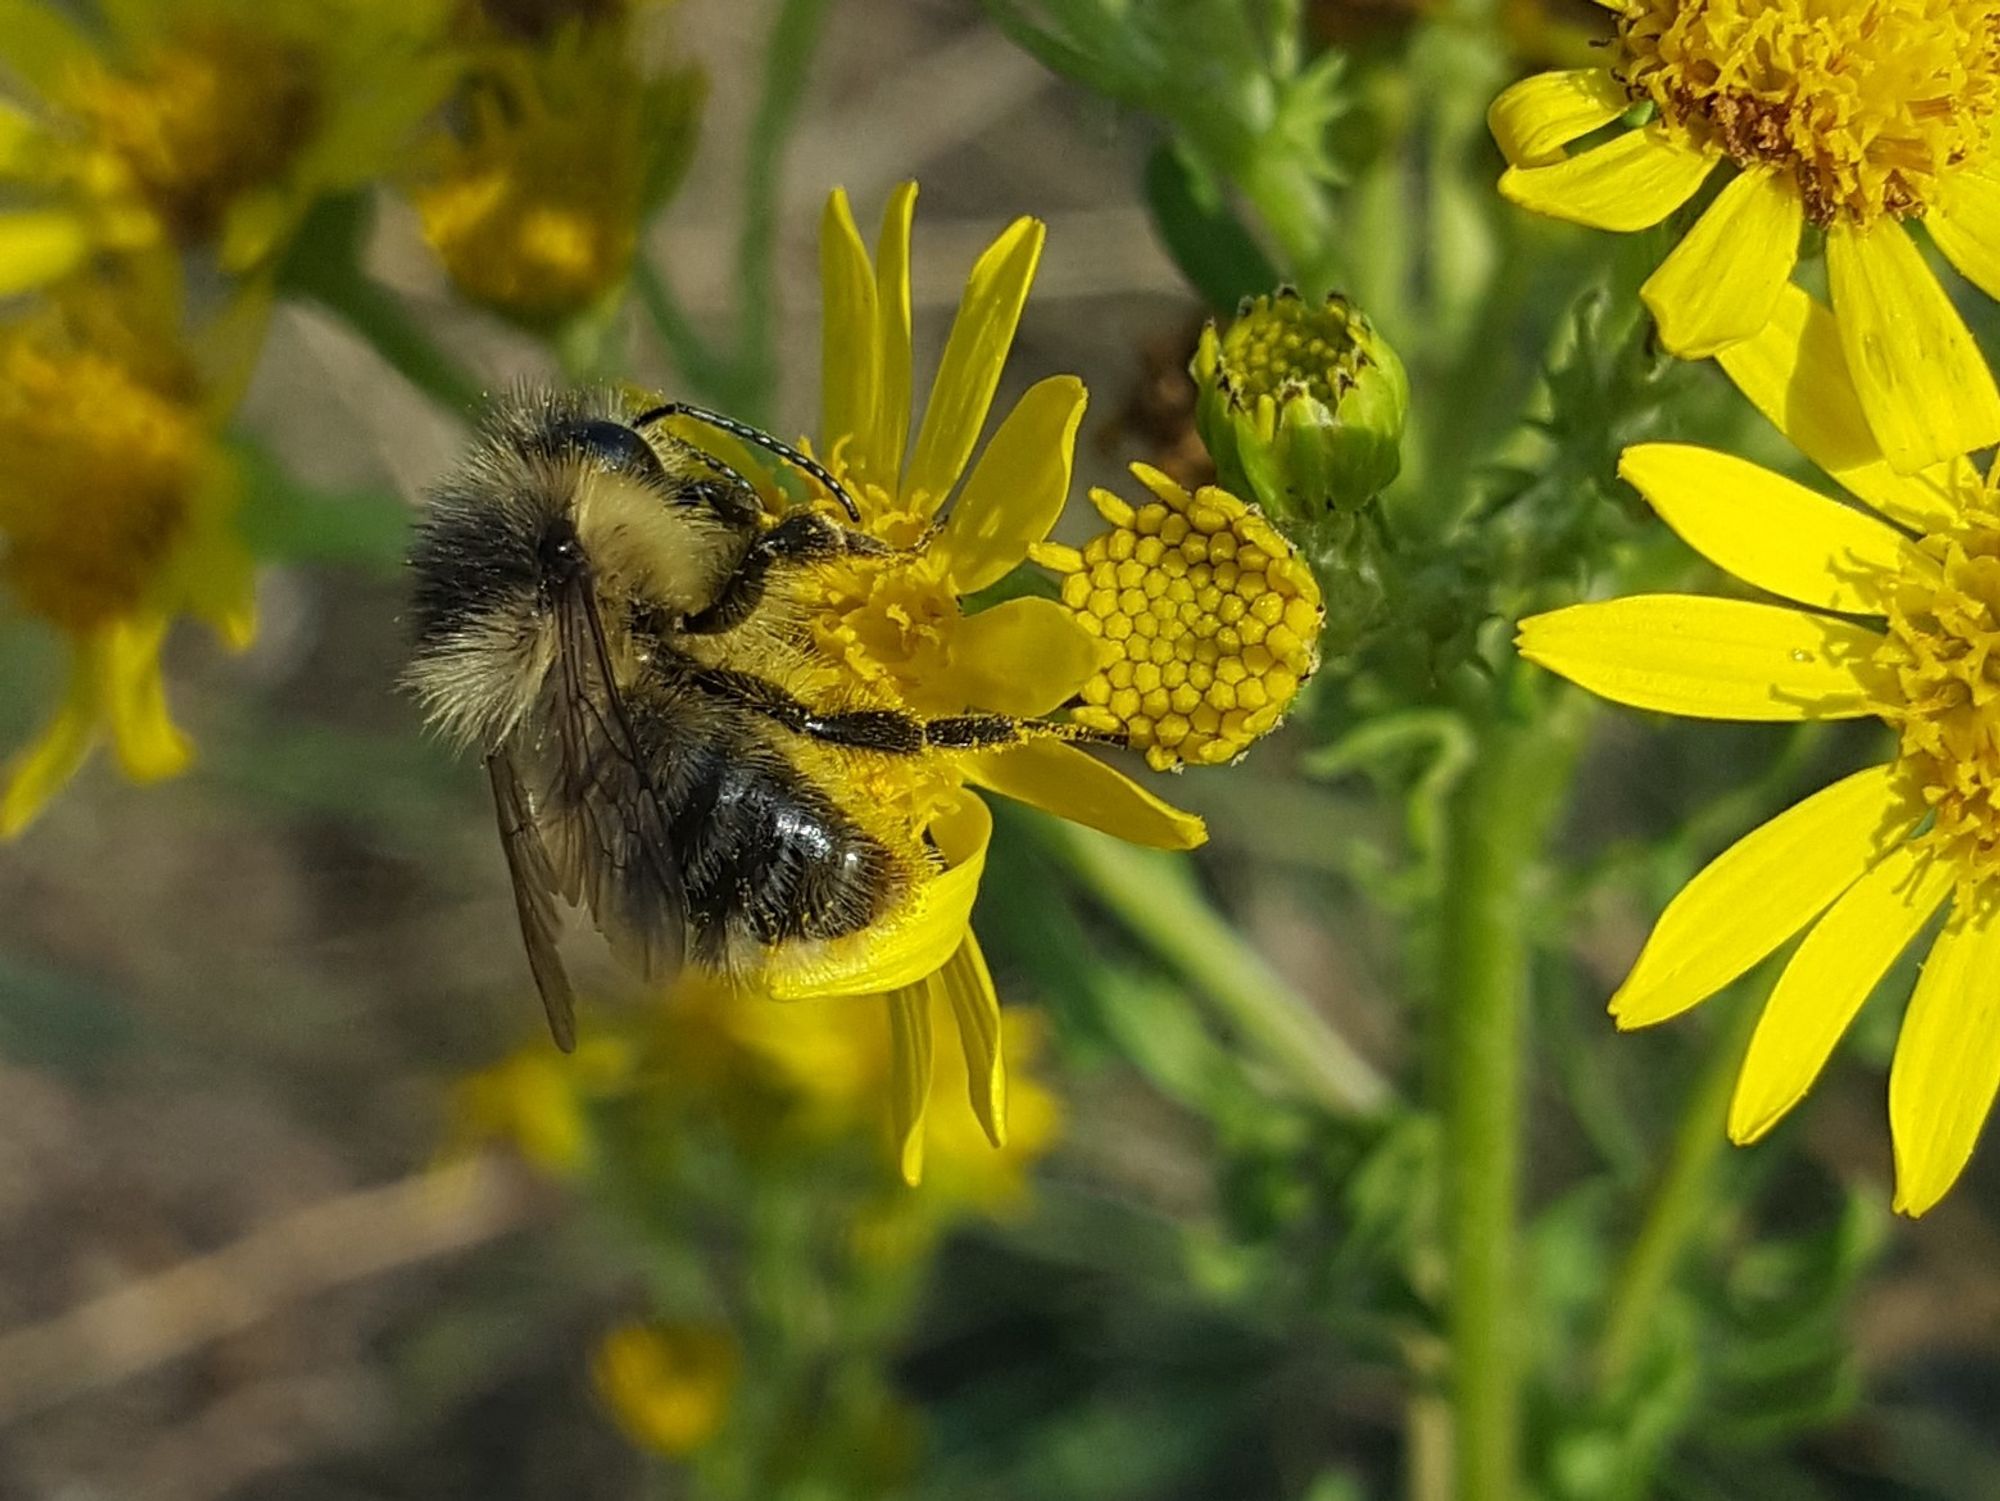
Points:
(299, 523)
(1215, 251)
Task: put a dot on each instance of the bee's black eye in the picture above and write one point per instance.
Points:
(560, 552)
(610, 445)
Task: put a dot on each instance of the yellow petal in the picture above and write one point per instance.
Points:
(850, 353)
(881, 455)
(912, 944)
(912, 1050)
(976, 1007)
(1722, 281)
(981, 334)
(1017, 488)
(1924, 387)
(1842, 958)
(37, 246)
(1947, 1065)
(1535, 119)
(1631, 183)
(39, 45)
(1770, 531)
(1965, 224)
(1795, 372)
(1707, 658)
(1762, 890)
(1072, 784)
(41, 770)
(1025, 657)
(135, 701)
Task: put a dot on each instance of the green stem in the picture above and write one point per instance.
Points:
(787, 62)
(1294, 205)
(1154, 896)
(325, 266)
(704, 370)
(1678, 1211)
(1499, 821)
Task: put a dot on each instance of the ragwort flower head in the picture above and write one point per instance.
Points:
(534, 207)
(1857, 115)
(1865, 864)
(212, 125)
(1210, 618)
(668, 1383)
(1301, 406)
(116, 510)
(895, 630)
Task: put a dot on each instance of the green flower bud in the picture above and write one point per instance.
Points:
(1301, 406)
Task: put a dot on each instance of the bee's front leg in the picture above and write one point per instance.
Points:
(802, 537)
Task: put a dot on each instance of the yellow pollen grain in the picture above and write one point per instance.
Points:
(1867, 105)
(1216, 617)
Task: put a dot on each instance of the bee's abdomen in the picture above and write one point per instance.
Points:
(766, 856)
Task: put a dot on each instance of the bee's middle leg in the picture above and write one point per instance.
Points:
(890, 730)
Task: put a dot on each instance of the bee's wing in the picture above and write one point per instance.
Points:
(611, 844)
(535, 891)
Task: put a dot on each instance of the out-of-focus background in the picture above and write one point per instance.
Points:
(253, 1243)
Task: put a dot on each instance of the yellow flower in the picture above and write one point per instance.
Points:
(116, 511)
(668, 1384)
(213, 123)
(536, 1101)
(1867, 862)
(896, 629)
(834, 1073)
(1858, 117)
(1213, 616)
(535, 209)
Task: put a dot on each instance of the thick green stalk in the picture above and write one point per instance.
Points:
(325, 266)
(1499, 822)
(787, 62)
(1679, 1209)
(1153, 896)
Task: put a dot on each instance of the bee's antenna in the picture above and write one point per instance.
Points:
(762, 439)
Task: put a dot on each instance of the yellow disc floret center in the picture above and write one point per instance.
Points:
(1866, 103)
(99, 478)
(201, 121)
(1944, 651)
(1284, 346)
(1213, 616)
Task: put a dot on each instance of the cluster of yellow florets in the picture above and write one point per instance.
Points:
(1864, 104)
(101, 470)
(1209, 614)
(1943, 650)
(202, 120)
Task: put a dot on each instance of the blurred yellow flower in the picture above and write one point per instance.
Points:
(1864, 864)
(536, 1101)
(214, 123)
(836, 1073)
(1211, 613)
(535, 206)
(668, 1384)
(1858, 118)
(116, 509)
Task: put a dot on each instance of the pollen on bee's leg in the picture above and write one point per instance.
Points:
(1211, 616)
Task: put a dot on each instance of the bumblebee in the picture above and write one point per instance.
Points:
(607, 613)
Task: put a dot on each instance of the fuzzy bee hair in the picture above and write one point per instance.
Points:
(598, 610)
